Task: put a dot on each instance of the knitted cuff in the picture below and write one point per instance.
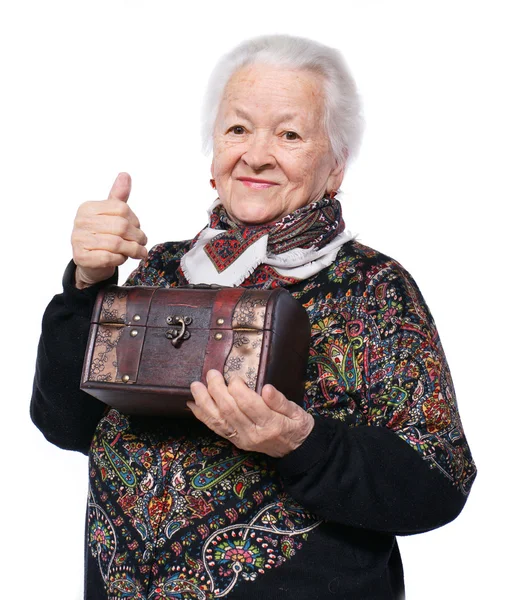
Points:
(82, 301)
(310, 452)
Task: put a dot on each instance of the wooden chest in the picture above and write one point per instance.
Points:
(148, 344)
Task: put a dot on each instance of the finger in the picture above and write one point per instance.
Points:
(206, 410)
(225, 401)
(115, 244)
(202, 404)
(113, 225)
(278, 402)
(132, 217)
(119, 209)
(250, 403)
(94, 208)
(121, 187)
(99, 259)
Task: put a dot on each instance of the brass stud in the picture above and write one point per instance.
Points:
(125, 378)
(220, 321)
(137, 318)
(218, 336)
(133, 332)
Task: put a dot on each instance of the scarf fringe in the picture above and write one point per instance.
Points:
(296, 255)
(249, 272)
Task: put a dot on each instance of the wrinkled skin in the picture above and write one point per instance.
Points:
(270, 126)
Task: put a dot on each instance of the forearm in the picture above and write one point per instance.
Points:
(368, 477)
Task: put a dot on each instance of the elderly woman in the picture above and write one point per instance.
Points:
(258, 497)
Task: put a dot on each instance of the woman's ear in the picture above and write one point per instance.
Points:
(337, 175)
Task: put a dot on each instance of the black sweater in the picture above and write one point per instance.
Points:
(387, 455)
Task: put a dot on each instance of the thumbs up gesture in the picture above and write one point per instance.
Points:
(106, 233)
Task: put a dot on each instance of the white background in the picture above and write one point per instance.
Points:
(90, 89)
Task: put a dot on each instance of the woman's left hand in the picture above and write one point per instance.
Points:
(268, 423)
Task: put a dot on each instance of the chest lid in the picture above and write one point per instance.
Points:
(196, 308)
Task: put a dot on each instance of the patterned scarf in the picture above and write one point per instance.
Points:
(294, 248)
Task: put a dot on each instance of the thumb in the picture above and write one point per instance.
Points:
(121, 188)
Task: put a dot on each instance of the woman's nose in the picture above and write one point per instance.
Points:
(259, 154)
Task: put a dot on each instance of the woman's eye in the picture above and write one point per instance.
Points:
(291, 135)
(237, 130)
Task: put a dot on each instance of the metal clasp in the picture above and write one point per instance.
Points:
(179, 331)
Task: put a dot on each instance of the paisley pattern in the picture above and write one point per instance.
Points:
(184, 517)
(177, 512)
(376, 359)
(311, 226)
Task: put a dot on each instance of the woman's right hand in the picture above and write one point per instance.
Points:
(106, 233)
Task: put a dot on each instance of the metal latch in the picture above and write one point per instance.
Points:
(179, 331)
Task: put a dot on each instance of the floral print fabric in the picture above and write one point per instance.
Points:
(177, 512)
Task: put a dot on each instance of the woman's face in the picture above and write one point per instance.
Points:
(271, 152)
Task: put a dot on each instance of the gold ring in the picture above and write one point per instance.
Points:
(231, 435)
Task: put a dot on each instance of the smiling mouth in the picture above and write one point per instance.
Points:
(257, 184)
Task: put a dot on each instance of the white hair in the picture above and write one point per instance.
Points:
(343, 112)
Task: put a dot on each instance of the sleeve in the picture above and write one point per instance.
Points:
(66, 415)
(406, 468)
